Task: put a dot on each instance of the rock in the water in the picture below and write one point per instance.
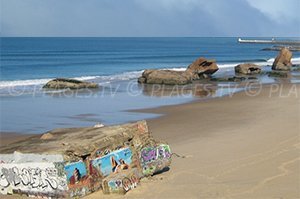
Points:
(247, 69)
(201, 67)
(278, 74)
(283, 60)
(167, 77)
(63, 83)
(297, 69)
(228, 79)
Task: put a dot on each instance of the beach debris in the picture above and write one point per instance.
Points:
(46, 136)
(283, 60)
(247, 69)
(65, 83)
(98, 125)
(84, 160)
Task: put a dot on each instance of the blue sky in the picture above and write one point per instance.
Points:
(150, 18)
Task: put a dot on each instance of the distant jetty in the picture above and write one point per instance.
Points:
(272, 41)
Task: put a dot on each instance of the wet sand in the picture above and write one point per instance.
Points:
(233, 147)
(7, 138)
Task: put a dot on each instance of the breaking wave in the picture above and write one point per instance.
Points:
(121, 76)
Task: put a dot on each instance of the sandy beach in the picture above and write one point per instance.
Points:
(236, 146)
(232, 147)
(166, 99)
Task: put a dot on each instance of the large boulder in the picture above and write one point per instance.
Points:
(63, 83)
(167, 77)
(247, 69)
(283, 60)
(202, 67)
(197, 70)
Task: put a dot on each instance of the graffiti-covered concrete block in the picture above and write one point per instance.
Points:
(114, 162)
(155, 158)
(121, 182)
(81, 180)
(33, 179)
(82, 160)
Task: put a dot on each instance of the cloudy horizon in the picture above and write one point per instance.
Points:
(156, 18)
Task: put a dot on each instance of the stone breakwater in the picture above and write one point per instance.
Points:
(78, 161)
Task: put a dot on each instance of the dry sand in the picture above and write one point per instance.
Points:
(234, 147)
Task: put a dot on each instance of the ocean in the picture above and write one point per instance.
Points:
(113, 63)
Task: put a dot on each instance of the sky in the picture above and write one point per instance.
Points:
(150, 18)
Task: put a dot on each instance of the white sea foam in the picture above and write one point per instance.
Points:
(270, 61)
(100, 79)
(118, 77)
(32, 82)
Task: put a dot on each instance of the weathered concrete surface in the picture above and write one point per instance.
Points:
(87, 156)
(44, 179)
(75, 143)
(121, 182)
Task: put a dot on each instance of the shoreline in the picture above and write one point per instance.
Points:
(160, 111)
(229, 147)
(233, 146)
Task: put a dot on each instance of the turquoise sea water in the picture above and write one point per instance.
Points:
(114, 63)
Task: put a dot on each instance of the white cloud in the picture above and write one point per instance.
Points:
(280, 11)
(150, 18)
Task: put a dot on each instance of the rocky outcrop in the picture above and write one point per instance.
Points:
(198, 69)
(202, 67)
(247, 69)
(283, 60)
(63, 83)
(167, 77)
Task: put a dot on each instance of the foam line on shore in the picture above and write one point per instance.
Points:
(118, 77)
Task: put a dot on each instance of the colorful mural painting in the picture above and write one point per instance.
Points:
(114, 162)
(79, 180)
(34, 178)
(76, 172)
(155, 158)
(121, 182)
(115, 169)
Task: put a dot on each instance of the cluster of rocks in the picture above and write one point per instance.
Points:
(200, 68)
(203, 69)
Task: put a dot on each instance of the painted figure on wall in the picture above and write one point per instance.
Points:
(76, 173)
(117, 167)
(75, 178)
(114, 162)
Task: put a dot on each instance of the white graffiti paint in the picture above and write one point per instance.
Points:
(38, 177)
(18, 157)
